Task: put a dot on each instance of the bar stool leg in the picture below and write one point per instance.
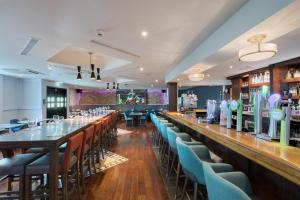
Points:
(184, 187)
(177, 178)
(195, 190)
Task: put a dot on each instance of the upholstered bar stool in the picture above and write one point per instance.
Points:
(227, 186)
(14, 167)
(172, 135)
(192, 158)
(86, 155)
(164, 138)
(68, 169)
(96, 145)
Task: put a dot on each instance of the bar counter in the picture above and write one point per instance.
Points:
(281, 160)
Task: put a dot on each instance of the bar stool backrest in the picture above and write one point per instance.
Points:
(87, 139)
(190, 161)
(219, 188)
(74, 146)
(97, 131)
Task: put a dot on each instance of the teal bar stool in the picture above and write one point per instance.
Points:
(226, 186)
(192, 158)
(164, 138)
(172, 135)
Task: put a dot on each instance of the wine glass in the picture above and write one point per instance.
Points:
(31, 123)
(56, 118)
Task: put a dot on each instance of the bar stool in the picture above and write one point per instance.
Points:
(227, 186)
(192, 158)
(68, 169)
(96, 145)
(86, 155)
(164, 138)
(14, 167)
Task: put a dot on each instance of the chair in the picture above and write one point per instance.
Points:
(192, 158)
(143, 120)
(86, 155)
(172, 135)
(127, 120)
(14, 167)
(68, 168)
(226, 186)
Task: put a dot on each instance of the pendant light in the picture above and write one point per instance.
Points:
(114, 86)
(118, 86)
(93, 76)
(98, 75)
(107, 86)
(259, 50)
(79, 73)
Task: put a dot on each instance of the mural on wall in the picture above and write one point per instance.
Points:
(157, 97)
(97, 97)
(120, 97)
(131, 97)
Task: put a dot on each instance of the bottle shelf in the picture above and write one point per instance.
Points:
(291, 80)
(259, 84)
(293, 97)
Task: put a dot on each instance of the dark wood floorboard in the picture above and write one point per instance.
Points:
(138, 178)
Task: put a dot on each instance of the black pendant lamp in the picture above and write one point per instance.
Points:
(93, 76)
(107, 86)
(114, 86)
(117, 86)
(79, 73)
(98, 75)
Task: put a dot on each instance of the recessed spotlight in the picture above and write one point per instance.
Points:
(178, 79)
(230, 66)
(208, 75)
(156, 81)
(141, 69)
(144, 33)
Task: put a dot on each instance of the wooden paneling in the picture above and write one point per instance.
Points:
(236, 90)
(173, 94)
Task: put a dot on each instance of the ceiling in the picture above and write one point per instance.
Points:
(66, 28)
(282, 28)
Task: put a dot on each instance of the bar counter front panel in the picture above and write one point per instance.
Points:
(273, 169)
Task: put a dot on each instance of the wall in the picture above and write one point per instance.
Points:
(19, 98)
(203, 93)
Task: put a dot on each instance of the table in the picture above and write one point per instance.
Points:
(49, 136)
(136, 116)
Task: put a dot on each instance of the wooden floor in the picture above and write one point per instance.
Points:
(138, 178)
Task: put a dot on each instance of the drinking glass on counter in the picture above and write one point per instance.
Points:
(31, 123)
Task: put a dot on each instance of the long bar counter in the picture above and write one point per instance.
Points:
(282, 160)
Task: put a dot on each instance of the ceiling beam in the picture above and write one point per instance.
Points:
(248, 16)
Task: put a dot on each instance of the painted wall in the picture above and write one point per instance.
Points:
(20, 98)
(203, 93)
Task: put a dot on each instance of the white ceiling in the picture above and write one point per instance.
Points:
(65, 29)
(282, 28)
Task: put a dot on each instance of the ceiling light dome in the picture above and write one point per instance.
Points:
(196, 77)
(259, 50)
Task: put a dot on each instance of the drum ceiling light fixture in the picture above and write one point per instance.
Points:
(258, 51)
(196, 77)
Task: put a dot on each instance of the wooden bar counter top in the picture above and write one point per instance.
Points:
(282, 160)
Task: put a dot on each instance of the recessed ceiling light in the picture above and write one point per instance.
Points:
(230, 66)
(208, 75)
(156, 81)
(141, 69)
(178, 79)
(144, 33)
